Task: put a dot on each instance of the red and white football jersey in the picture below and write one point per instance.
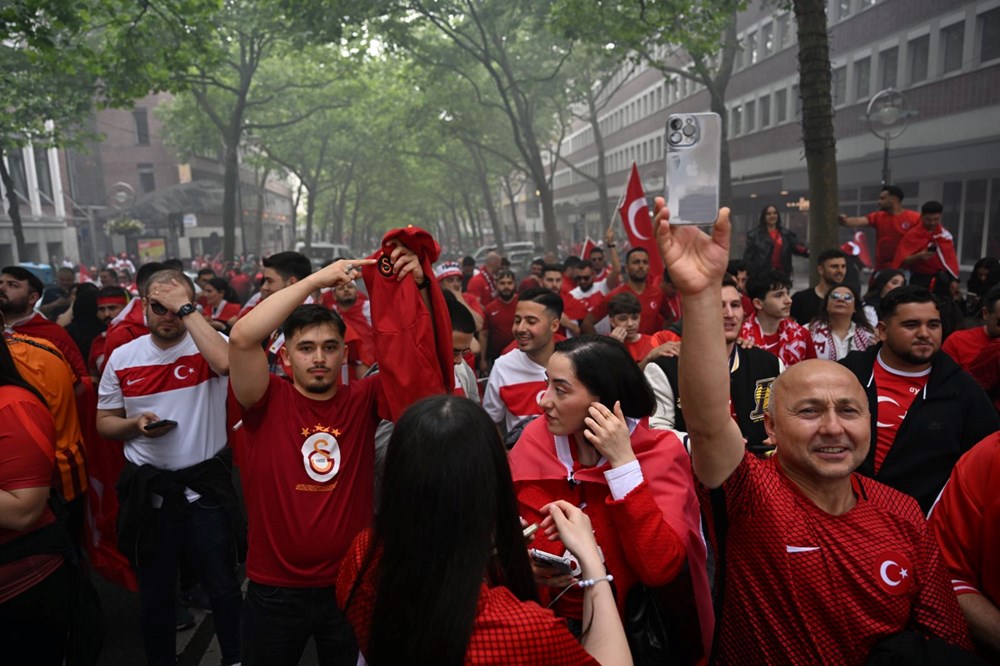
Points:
(516, 383)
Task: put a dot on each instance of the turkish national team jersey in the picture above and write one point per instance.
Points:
(309, 479)
(516, 383)
(896, 392)
(889, 231)
(800, 586)
(176, 384)
(651, 299)
(640, 347)
(966, 521)
(964, 346)
(499, 325)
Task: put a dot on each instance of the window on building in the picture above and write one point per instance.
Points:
(740, 48)
(659, 148)
(888, 64)
(766, 40)
(749, 116)
(781, 32)
(752, 54)
(736, 120)
(843, 9)
(141, 118)
(988, 34)
(42, 172)
(797, 101)
(952, 44)
(862, 78)
(838, 85)
(147, 181)
(15, 166)
(867, 3)
(780, 106)
(917, 56)
(764, 105)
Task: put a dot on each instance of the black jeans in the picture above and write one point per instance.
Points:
(204, 536)
(34, 624)
(278, 621)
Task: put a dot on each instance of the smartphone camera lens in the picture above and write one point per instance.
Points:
(675, 138)
(675, 124)
(689, 130)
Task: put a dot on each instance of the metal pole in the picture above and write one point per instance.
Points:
(886, 176)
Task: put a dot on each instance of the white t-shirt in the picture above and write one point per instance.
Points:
(516, 383)
(175, 383)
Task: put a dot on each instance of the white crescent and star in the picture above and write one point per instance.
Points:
(882, 399)
(884, 573)
(634, 208)
(177, 372)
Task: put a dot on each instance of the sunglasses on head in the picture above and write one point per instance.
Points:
(157, 308)
(847, 298)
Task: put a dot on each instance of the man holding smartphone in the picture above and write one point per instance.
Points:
(164, 396)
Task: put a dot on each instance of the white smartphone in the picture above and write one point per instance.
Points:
(562, 564)
(694, 148)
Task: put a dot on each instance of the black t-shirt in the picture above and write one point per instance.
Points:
(805, 306)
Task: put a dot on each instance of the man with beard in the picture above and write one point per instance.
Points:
(20, 289)
(925, 411)
(354, 308)
(309, 458)
(891, 222)
(832, 268)
(650, 295)
(110, 302)
(592, 294)
(518, 377)
(164, 395)
(499, 320)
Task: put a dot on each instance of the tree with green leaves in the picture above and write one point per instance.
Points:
(524, 66)
(692, 39)
(60, 59)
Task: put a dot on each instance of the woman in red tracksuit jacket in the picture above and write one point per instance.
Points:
(593, 448)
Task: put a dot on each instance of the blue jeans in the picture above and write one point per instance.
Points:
(277, 622)
(203, 534)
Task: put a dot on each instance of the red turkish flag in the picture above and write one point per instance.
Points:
(638, 223)
(858, 247)
(588, 245)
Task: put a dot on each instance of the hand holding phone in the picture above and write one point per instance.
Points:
(157, 426)
(694, 156)
(561, 564)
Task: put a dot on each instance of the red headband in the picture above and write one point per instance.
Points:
(112, 300)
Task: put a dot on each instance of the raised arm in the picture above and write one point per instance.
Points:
(247, 359)
(615, 272)
(173, 295)
(846, 221)
(697, 263)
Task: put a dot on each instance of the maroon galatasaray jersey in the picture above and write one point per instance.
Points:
(308, 477)
(799, 586)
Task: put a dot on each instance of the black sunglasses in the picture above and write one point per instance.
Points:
(157, 309)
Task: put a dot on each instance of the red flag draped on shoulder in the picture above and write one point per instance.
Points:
(638, 223)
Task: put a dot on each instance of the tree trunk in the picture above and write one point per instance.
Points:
(258, 219)
(230, 194)
(485, 187)
(310, 212)
(509, 188)
(817, 126)
(602, 176)
(14, 210)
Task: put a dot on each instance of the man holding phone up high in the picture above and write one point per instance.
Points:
(164, 395)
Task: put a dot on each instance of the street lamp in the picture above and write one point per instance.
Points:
(888, 115)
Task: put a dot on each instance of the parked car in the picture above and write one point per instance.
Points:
(519, 253)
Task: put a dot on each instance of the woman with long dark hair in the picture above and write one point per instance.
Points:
(443, 576)
(884, 282)
(841, 326)
(770, 245)
(34, 578)
(593, 448)
(223, 307)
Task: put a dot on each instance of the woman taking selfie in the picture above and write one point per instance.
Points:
(593, 448)
(443, 576)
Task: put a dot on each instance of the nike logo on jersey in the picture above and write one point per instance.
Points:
(129, 382)
(800, 549)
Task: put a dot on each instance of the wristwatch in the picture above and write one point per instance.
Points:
(186, 309)
(426, 283)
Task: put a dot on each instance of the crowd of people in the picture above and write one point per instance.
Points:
(448, 463)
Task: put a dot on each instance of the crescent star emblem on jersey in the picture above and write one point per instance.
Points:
(894, 573)
(183, 375)
(634, 208)
(539, 396)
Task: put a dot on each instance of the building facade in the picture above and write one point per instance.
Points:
(944, 57)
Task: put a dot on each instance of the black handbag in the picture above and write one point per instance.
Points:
(647, 627)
